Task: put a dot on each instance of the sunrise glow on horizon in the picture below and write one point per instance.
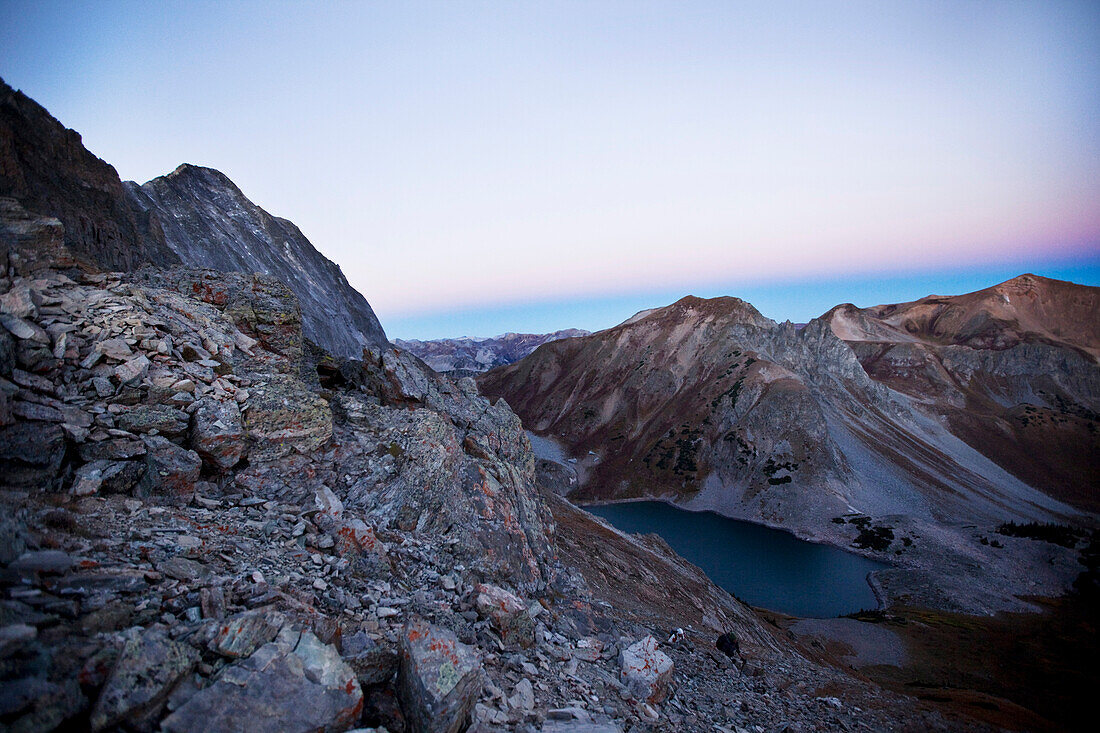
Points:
(501, 158)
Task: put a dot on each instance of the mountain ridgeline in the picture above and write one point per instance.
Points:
(982, 405)
(871, 427)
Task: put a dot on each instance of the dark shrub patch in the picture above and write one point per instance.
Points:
(1058, 534)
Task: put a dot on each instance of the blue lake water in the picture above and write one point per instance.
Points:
(762, 566)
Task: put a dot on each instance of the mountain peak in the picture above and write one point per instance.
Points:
(209, 222)
(725, 307)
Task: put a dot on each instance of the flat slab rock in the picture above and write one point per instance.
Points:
(295, 683)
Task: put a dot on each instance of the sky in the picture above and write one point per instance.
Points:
(477, 168)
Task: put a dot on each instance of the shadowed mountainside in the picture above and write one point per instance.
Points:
(47, 168)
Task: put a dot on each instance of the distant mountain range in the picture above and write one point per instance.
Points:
(473, 355)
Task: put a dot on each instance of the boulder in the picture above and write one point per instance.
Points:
(217, 434)
(578, 726)
(43, 561)
(588, 649)
(353, 537)
(120, 477)
(294, 683)
(13, 538)
(7, 353)
(23, 329)
(439, 679)
(187, 570)
(507, 613)
(281, 416)
(37, 704)
(89, 478)
(147, 670)
(116, 349)
(20, 301)
(170, 471)
(116, 449)
(646, 671)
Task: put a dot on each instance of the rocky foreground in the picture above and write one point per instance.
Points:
(210, 524)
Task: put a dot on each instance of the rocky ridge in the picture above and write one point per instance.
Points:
(471, 356)
(207, 525)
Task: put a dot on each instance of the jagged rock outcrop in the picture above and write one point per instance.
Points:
(468, 356)
(252, 694)
(47, 169)
(194, 216)
(208, 222)
(440, 678)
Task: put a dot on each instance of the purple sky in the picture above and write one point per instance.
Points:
(484, 167)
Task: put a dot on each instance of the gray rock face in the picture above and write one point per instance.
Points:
(439, 680)
(283, 416)
(294, 683)
(209, 223)
(31, 454)
(170, 471)
(28, 241)
(242, 634)
(454, 465)
(373, 663)
(507, 613)
(472, 355)
(216, 432)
